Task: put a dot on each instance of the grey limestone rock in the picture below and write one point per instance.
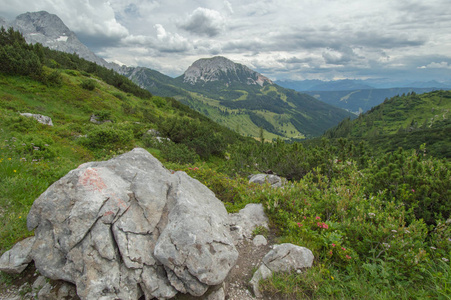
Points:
(18, 258)
(288, 257)
(246, 220)
(40, 118)
(282, 258)
(273, 180)
(127, 226)
(259, 240)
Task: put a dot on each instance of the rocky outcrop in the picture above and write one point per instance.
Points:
(40, 118)
(127, 227)
(273, 180)
(283, 258)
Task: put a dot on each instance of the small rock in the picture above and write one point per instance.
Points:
(288, 257)
(216, 295)
(259, 240)
(273, 180)
(246, 220)
(18, 258)
(282, 258)
(262, 273)
(38, 284)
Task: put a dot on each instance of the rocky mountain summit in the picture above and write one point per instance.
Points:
(49, 30)
(219, 68)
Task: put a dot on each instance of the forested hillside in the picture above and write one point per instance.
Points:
(406, 121)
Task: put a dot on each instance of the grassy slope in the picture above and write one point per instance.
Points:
(407, 122)
(25, 172)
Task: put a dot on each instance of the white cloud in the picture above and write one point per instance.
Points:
(204, 21)
(435, 65)
(168, 42)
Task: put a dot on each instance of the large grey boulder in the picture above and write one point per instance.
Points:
(40, 118)
(17, 259)
(126, 227)
(282, 258)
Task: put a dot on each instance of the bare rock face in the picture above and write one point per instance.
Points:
(127, 227)
(50, 31)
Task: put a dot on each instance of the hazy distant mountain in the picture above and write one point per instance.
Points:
(50, 31)
(235, 96)
(358, 101)
(350, 85)
(319, 85)
(341, 85)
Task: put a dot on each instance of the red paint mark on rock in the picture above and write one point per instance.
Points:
(91, 180)
(108, 213)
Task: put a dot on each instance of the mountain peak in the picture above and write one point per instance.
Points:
(50, 31)
(219, 68)
(41, 23)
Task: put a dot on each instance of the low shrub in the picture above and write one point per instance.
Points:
(88, 84)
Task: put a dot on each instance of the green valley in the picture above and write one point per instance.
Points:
(234, 97)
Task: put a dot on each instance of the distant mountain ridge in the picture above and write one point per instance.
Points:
(362, 100)
(356, 84)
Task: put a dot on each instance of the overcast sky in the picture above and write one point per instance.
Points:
(290, 39)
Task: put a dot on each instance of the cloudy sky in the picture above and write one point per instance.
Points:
(282, 39)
